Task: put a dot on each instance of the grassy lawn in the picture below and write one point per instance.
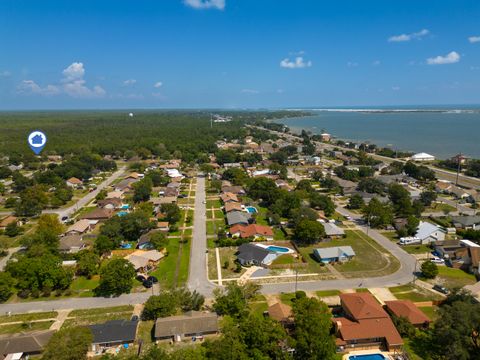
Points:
(100, 311)
(391, 235)
(214, 226)
(417, 249)
(285, 260)
(258, 307)
(28, 317)
(25, 327)
(165, 271)
(370, 259)
(440, 207)
(81, 283)
(325, 293)
(145, 332)
(227, 254)
(188, 232)
(184, 262)
(430, 311)
(214, 203)
(413, 293)
(278, 234)
(287, 298)
(218, 214)
(455, 277)
(93, 316)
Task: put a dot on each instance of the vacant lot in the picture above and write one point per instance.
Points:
(413, 293)
(100, 315)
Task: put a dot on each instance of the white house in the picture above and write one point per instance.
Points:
(422, 157)
(428, 233)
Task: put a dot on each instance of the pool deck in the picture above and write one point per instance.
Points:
(290, 251)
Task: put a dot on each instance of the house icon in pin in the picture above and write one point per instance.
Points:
(37, 140)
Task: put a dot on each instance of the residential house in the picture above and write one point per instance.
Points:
(282, 184)
(282, 313)
(157, 201)
(446, 249)
(22, 346)
(428, 233)
(228, 197)
(332, 231)
(192, 324)
(232, 165)
(143, 242)
(238, 217)
(408, 310)
(72, 244)
(7, 221)
(460, 193)
(163, 226)
(237, 190)
(74, 182)
(334, 254)
(348, 187)
(125, 185)
(250, 254)
(466, 222)
(443, 187)
(114, 194)
(258, 232)
(81, 227)
(98, 214)
(365, 324)
(134, 176)
(144, 261)
(111, 203)
(114, 333)
(233, 206)
(422, 157)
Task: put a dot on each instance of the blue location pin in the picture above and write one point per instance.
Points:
(37, 141)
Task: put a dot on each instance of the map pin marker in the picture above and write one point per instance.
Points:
(37, 141)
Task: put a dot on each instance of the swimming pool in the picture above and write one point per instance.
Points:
(125, 206)
(276, 249)
(122, 213)
(251, 209)
(367, 357)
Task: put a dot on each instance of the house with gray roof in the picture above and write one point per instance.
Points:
(237, 217)
(428, 233)
(112, 334)
(250, 254)
(21, 346)
(332, 230)
(189, 325)
(466, 222)
(334, 254)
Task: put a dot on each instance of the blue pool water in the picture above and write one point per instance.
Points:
(126, 246)
(367, 357)
(126, 206)
(278, 249)
(122, 213)
(251, 209)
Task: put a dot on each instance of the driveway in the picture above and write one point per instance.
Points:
(197, 273)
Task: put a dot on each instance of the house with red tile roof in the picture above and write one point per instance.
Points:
(253, 230)
(408, 310)
(365, 324)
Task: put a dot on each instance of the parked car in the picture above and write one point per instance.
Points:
(134, 318)
(148, 284)
(437, 260)
(140, 278)
(64, 218)
(153, 279)
(441, 289)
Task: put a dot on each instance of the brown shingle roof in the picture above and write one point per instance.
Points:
(407, 309)
(26, 343)
(98, 214)
(251, 230)
(369, 329)
(233, 206)
(226, 197)
(193, 322)
(280, 312)
(362, 306)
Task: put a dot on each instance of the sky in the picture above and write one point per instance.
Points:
(107, 54)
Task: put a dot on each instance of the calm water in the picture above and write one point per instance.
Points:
(442, 134)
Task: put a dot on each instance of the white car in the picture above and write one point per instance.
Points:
(437, 260)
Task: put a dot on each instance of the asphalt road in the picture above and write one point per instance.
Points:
(197, 273)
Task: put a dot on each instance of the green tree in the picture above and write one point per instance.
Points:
(159, 240)
(6, 286)
(312, 330)
(412, 225)
(103, 244)
(322, 202)
(356, 202)
(13, 229)
(172, 212)
(429, 269)
(32, 201)
(142, 190)
(377, 214)
(427, 197)
(233, 299)
(162, 305)
(116, 277)
(69, 344)
(87, 264)
(309, 232)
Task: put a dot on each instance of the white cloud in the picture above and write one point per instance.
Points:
(31, 87)
(73, 72)
(408, 37)
(474, 39)
(376, 63)
(206, 4)
(280, 91)
(395, 88)
(5, 73)
(158, 84)
(298, 63)
(450, 58)
(249, 91)
(72, 84)
(129, 82)
(352, 64)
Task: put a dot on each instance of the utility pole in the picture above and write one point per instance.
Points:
(296, 279)
(459, 161)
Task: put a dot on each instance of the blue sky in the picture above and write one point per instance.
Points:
(237, 53)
